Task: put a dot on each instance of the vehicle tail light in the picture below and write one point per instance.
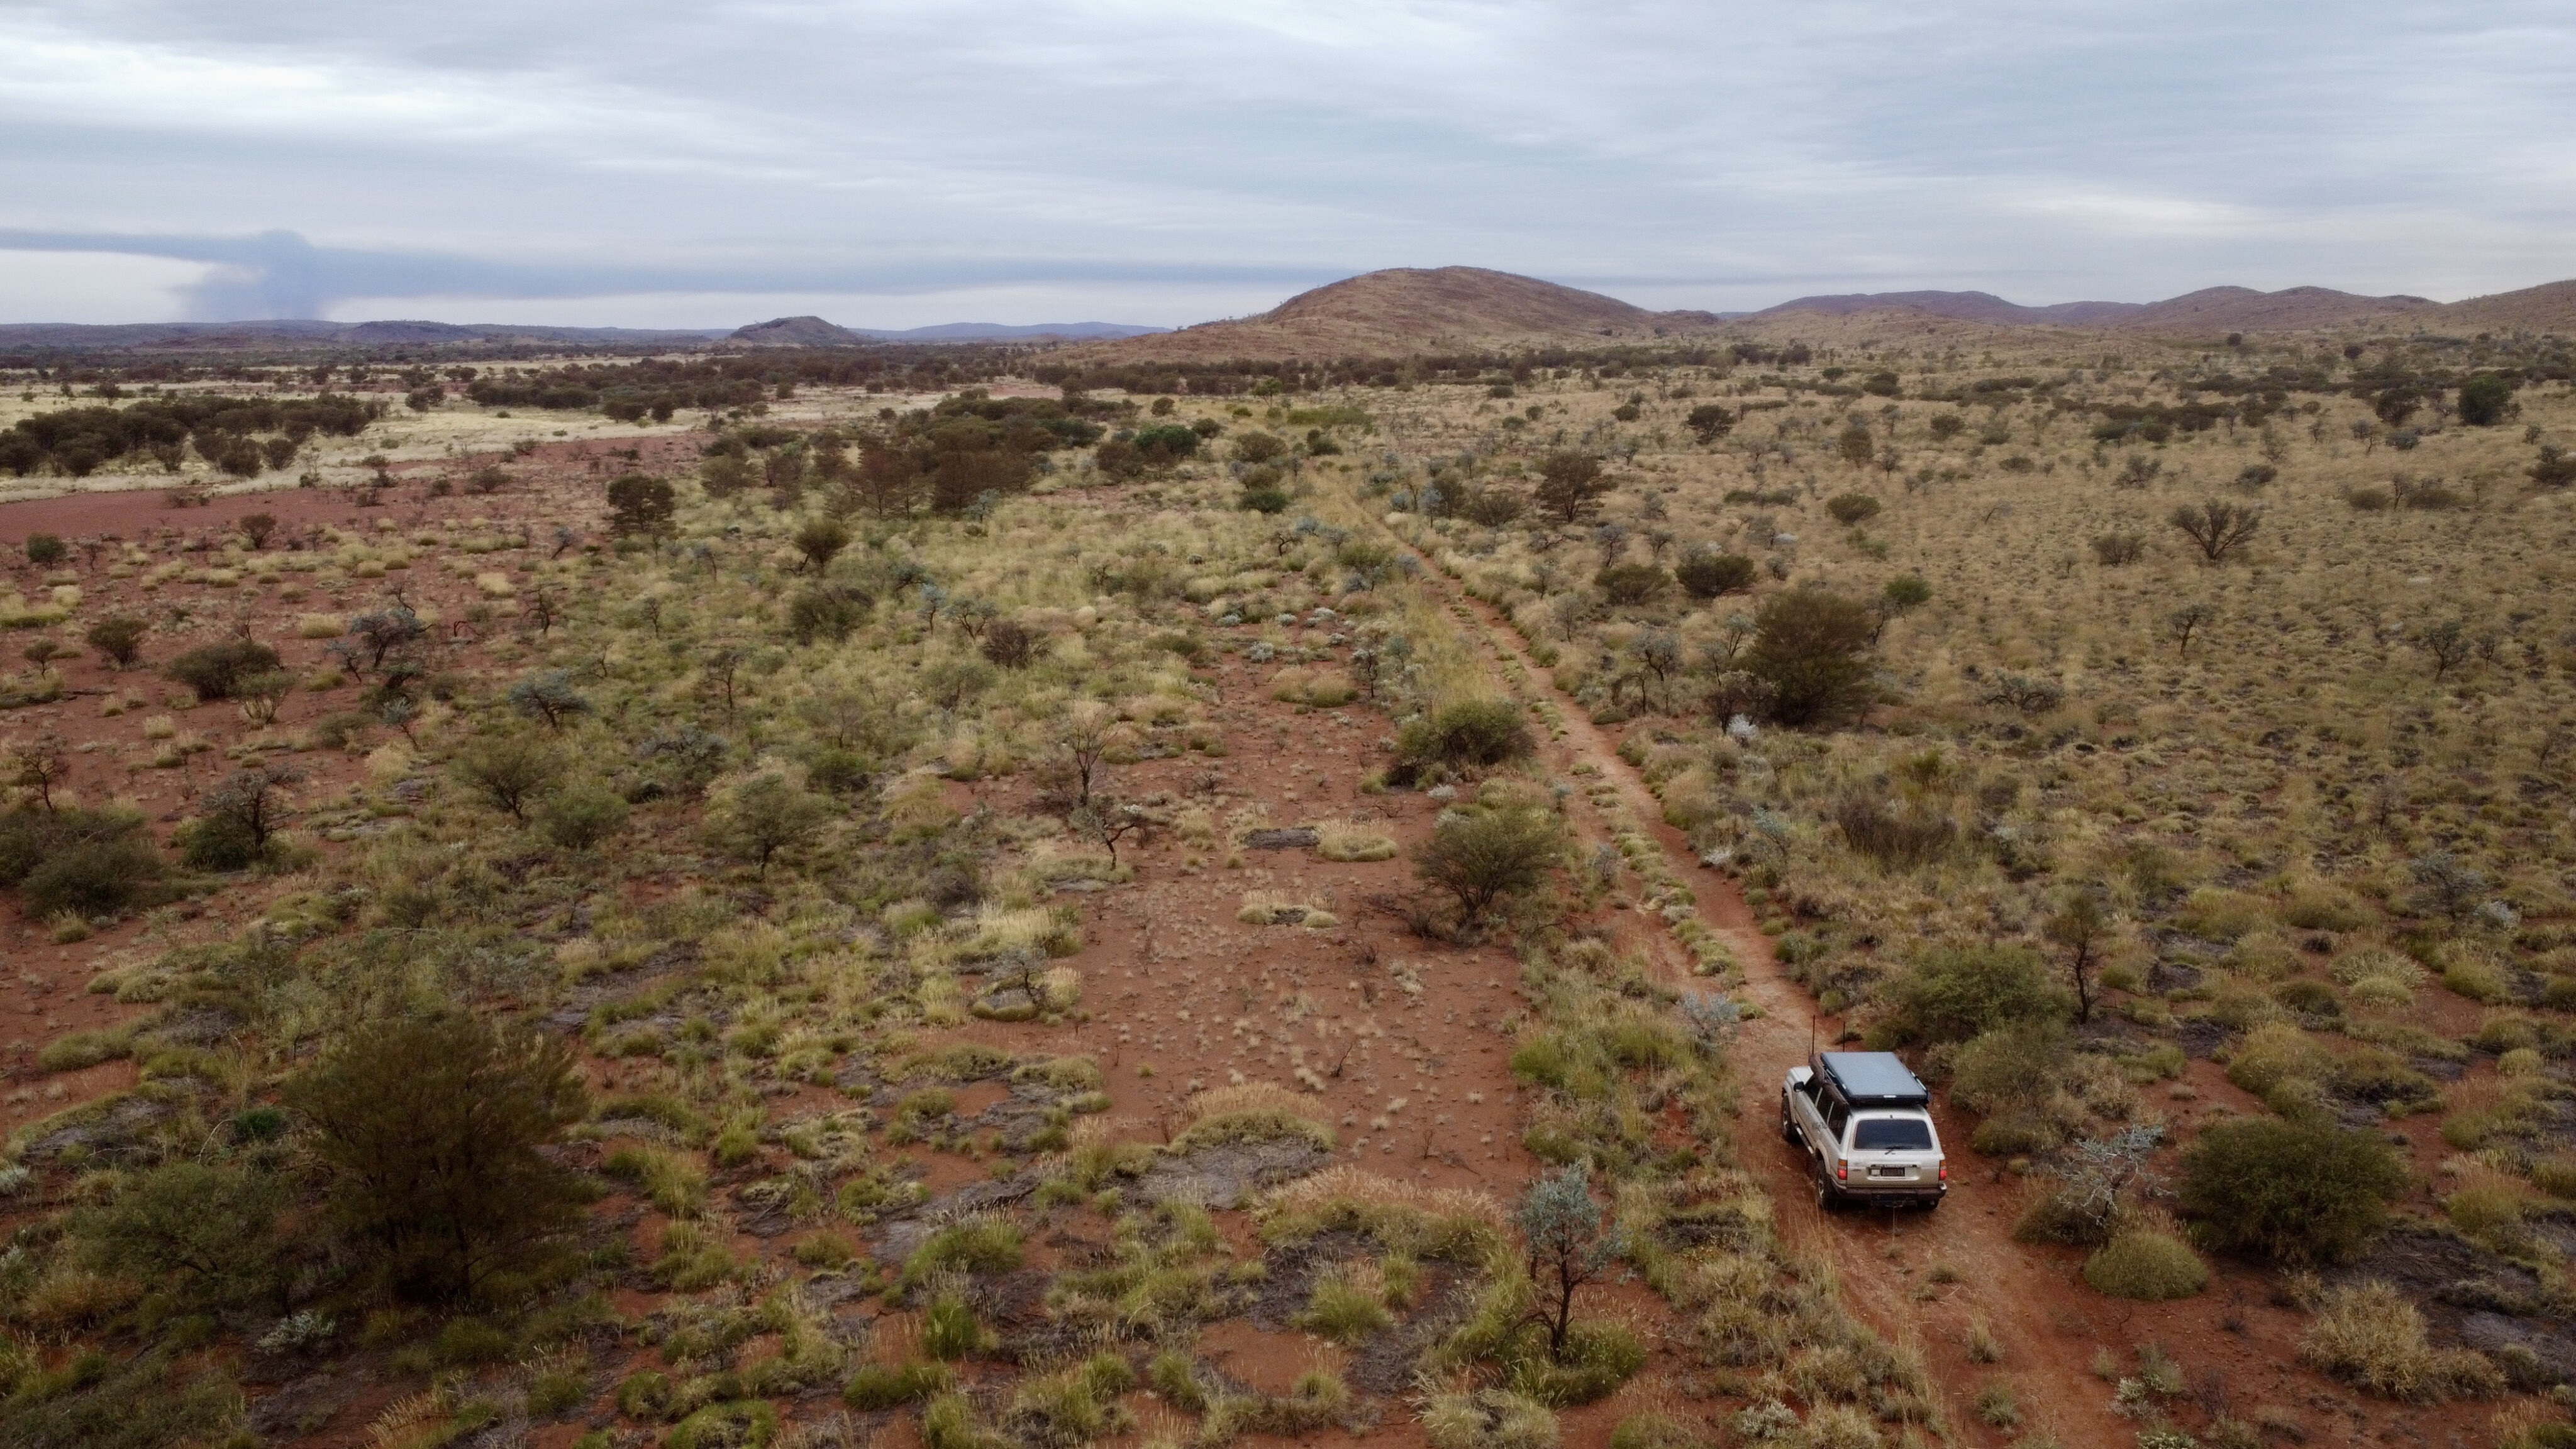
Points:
(1945, 1169)
(1842, 1172)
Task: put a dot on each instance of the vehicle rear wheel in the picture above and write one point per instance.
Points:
(1788, 1125)
(1827, 1199)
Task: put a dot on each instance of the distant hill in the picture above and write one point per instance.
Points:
(1414, 309)
(796, 332)
(2550, 307)
(1964, 306)
(815, 332)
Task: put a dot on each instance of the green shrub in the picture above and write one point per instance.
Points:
(1956, 993)
(1263, 498)
(1811, 646)
(581, 816)
(214, 671)
(1852, 508)
(977, 1245)
(1478, 859)
(2371, 1336)
(883, 1386)
(1630, 584)
(2012, 1064)
(2148, 1266)
(45, 550)
(1705, 575)
(2293, 1192)
(1343, 1311)
(1651, 1430)
(949, 1329)
(1479, 733)
(428, 1135)
(222, 842)
(93, 878)
(201, 1235)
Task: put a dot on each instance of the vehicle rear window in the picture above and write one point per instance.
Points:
(1893, 1134)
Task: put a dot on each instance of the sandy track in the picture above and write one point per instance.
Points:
(1885, 1262)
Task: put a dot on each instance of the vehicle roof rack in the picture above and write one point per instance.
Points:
(1874, 1079)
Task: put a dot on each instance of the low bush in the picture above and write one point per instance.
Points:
(1479, 733)
(1705, 575)
(1628, 585)
(1648, 1429)
(878, 1386)
(2293, 1192)
(2148, 1266)
(580, 817)
(1488, 1419)
(1481, 858)
(214, 671)
(1852, 508)
(977, 1245)
(2371, 1336)
(93, 878)
(1956, 993)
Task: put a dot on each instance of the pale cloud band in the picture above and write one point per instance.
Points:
(1154, 161)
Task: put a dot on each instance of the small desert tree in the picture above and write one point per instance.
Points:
(430, 1133)
(1707, 575)
(2449, 643)
(119, 638)
(511, 772)
(763, 816)
(2083, 928)
(1570, 485)
(1811, 645)
(2485, 399)
(1478, 859)
(1567, 1242)
(2217, 527)
(641, 503)
(820, 541)
(2187, 621)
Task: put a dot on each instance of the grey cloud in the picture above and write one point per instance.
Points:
(2043, 150)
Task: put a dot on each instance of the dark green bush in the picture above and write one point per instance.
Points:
(1705, 575)
(118, 638)
(582, 816)
(1630, 584)
(1851, 508)
(826, 611)
(1480, 858)
(215, 670)
(1263, 498)
(428, 1135)
(200, 1236)
(2296, 1193)
(45, 550)
(216, 842)
(1467, 732)
(1955, 993)
(93, 878)
(1811, 646)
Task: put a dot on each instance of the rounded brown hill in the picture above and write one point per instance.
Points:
(1415, 309)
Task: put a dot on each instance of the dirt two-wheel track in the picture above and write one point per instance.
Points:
(1912, 1275)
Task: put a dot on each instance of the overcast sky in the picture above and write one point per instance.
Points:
(703, 164)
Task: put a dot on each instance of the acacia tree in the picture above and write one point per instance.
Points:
(1570, 485)
(1812, 646)
(2218, 527)
(430, 1132)
(2083, 928)
(1568, 1243)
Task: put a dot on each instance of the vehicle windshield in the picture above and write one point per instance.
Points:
(1893, 1134)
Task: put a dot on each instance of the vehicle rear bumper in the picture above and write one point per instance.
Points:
(1891, 1196)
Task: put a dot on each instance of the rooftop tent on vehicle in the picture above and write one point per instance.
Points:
(1873, 1079)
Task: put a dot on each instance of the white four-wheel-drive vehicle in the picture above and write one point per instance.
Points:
(1866, 1122)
